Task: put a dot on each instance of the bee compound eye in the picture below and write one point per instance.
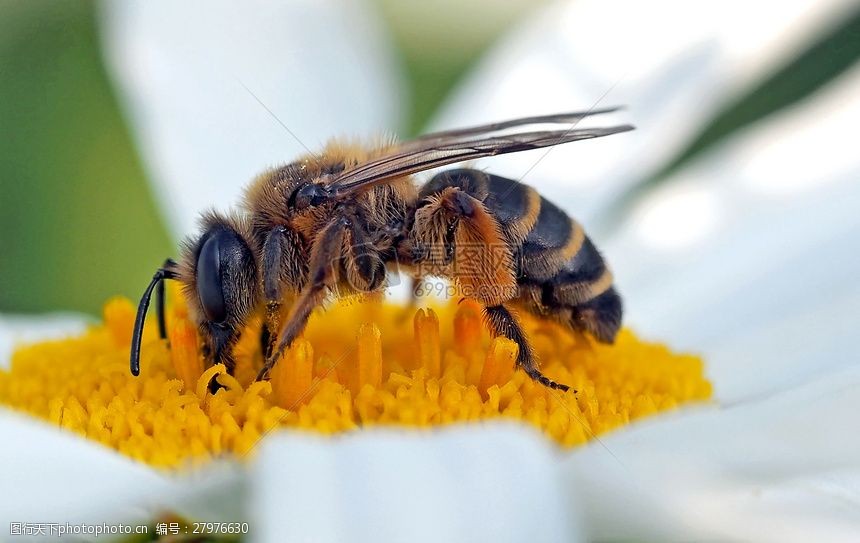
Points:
(210, 290)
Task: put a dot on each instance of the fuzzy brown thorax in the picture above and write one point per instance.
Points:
(270, 199)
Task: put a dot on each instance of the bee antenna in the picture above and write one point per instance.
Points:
(278, 120)
(158, 279)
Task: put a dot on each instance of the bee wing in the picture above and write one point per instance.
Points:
(570, 118)
(436, 150)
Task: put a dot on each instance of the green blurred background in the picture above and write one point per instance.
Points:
(78, 216)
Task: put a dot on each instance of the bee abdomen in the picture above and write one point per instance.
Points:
(582, 277)
(552, 250)
(580, 293)
(562, 273)
(515, 206)
(562, 278)
(554, 241)
(559, 271)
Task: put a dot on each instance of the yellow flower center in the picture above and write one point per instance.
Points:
(357, 365)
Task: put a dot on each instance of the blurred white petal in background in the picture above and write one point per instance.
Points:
(324, 68)
(58, 476)
(672, 63)
(781, 469)
(747, 256)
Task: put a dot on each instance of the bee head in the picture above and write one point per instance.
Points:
(219, 274)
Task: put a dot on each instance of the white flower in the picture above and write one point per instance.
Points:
(749, 254)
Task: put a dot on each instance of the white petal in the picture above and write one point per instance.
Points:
(784, 469)
(673, 63)
(17, 330)
(50, 475)
(751, 256)
(324, 68)
(496, 482)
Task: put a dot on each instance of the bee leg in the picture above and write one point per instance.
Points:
(503, 323)
(477, 253)
(365, 270)
(265, 341)
(222, 353)
(326, 251)
(282, 263)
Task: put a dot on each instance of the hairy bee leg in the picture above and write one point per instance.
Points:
(282, 263)
(482, 252)
(327, 250)
(271, 269)
(484, 266)
(169, 264)
(310, 298)
(271, 324)
(503, 323)
(364, 265)
(224, 351)
(265, 341)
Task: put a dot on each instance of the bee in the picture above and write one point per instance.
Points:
(339, 221)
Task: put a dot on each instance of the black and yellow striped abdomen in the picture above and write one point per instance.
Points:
(559, 271)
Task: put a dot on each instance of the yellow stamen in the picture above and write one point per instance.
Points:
(498, 365)
(369, 356)
(341, 375)
(292, 377)
(426, 325)
(187, 362)
(468, 327)
(119, 318)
